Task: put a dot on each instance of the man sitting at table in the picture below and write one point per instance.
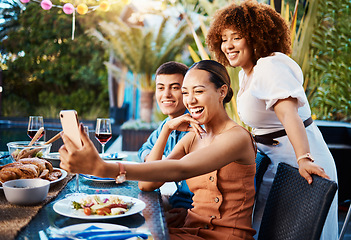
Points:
(169, 80)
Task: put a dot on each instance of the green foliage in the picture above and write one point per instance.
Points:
(143, 49)
(329, 69)
(14, 106)
(51, 71)
(9, 12)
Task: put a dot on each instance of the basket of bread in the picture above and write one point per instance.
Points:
(29, 168)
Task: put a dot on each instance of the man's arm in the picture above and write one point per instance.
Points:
(144, 152)
(146, 148)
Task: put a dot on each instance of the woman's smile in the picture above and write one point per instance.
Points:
(236, 50)
(196, 112)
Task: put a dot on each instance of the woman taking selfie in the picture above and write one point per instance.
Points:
(217, 161)
(271, 98)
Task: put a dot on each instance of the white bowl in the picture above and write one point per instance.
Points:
(26, 191)
(39, 148)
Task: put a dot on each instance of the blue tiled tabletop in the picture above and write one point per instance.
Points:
(150, 219)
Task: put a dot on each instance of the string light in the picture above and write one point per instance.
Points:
(81, 8)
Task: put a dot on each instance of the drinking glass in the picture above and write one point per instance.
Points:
(35, 122)
(103, 132)
(77, 193)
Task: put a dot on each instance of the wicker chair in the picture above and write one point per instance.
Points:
(295, 209)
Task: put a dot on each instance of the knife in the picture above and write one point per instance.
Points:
(5, 156)
(96, 178)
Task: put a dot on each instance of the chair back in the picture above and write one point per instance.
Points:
(294, 208)
(262, 162)
(51, 132)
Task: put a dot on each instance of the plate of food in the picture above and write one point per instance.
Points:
(98, 206)
(63, 175)
(31, 168)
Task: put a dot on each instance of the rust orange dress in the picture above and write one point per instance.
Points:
(223, 202)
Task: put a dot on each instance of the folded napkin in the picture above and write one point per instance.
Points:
(96, 233)
(110, 156)
(95, 178)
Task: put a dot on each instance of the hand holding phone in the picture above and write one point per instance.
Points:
(70, 126)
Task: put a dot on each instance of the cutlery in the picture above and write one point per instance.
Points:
(96, 234)
(5, 156)
(96, 178)
(42, 235)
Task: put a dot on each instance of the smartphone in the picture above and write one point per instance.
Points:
(70, 126)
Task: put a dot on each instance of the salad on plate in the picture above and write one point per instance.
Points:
(96, 205)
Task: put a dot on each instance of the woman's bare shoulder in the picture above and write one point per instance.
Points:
(241, 144)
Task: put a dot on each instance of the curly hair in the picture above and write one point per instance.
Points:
(263, 28)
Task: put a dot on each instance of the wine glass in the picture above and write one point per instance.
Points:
(77, 193)
(34, 124)
(103, 132)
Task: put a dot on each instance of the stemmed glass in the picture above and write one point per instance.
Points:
(34, 124)
(103, 132)
(77, 193)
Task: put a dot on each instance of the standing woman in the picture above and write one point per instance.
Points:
(219, 163)
(271, 98)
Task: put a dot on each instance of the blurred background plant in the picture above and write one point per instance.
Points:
(45, 71)
(321, 46)
(141, 47)
(48, 71)
(328, 72)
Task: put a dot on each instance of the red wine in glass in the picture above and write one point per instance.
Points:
(103, 138)
(103, 132)
(34, 124)
(31, 133)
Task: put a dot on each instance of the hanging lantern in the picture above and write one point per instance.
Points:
(46, 4)
(82, 8)
(104, 6)
(68, 8)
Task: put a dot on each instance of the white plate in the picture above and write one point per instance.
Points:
(113, 156)
(105, 226)
(64, 174)
(54, 158)
(65, 208)
(104, 180)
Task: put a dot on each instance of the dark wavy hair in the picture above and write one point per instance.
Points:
(263, 28)
(218, 75)
(172, 68)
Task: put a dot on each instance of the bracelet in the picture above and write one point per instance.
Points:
(121, 177)
(307, 155)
